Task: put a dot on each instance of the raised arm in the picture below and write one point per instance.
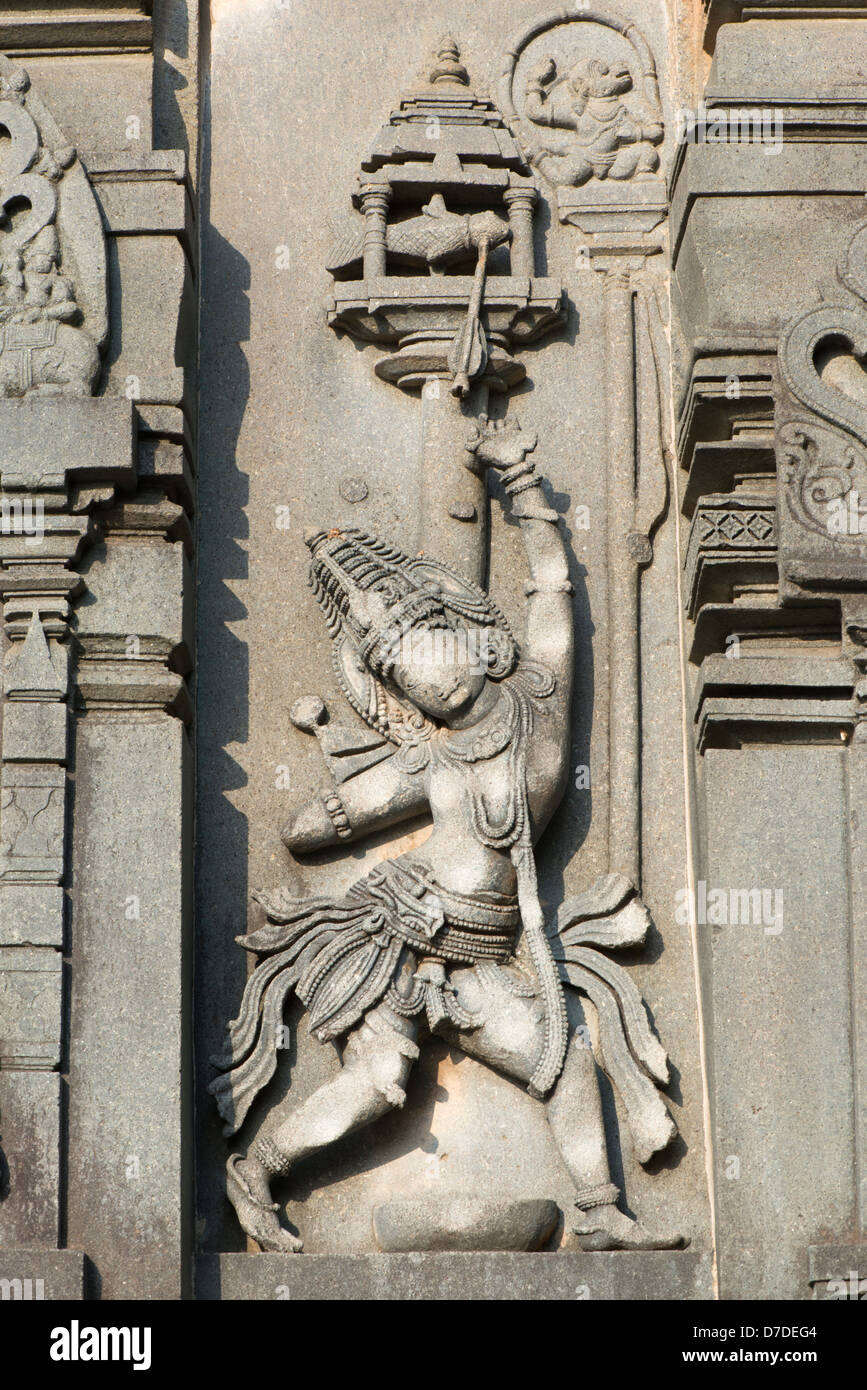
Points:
(383, 795)
(543, 104)
(549, 637)
(549, 633)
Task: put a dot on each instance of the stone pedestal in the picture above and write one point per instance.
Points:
(456, 1277)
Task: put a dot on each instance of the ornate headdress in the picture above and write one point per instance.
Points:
(372, 594)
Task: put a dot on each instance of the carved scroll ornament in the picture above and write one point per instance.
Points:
(822, 434)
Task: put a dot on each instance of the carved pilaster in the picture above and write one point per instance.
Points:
(616, 199)
(53, 320)
(94, 556)
(772, 441)
(53, 323)
(822, 486)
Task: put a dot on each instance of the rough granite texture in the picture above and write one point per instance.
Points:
(698, 397)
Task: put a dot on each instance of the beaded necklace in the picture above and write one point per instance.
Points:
(520, 697)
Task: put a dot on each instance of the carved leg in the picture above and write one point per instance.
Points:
(626, 162)
(377, 1060)
(564, 169)
(511, 1040)
(634, 160)
(648, 159)
(574, 1113)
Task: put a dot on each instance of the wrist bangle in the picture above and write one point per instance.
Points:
(337, 813)
(513, 489)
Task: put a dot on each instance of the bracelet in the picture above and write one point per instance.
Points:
(514, 488)
(519, 470)
(337, 812)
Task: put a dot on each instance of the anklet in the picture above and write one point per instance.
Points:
(605, 1194)
(267, 1152)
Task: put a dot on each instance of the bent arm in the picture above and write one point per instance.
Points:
(646, 120)
(545, 105)
(382, 796)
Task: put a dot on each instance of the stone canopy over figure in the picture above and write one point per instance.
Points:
(428, 942)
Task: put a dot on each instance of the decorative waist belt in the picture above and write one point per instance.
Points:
(477, 909)
(439, 922)
(17, 336)
(465, 944)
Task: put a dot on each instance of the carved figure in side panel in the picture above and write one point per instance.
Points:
(476, 729)
(52, 323)
(614, 131)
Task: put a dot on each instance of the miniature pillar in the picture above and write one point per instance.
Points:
(521, 203)
(375, 198)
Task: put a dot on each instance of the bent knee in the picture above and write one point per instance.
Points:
(512, 1034)
(382, 1057)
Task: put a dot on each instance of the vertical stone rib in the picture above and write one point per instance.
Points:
(624, 705)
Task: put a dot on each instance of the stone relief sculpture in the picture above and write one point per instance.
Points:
(615, 132)
(820, 359)
(465, 722)
(426, 943)
(596, 116)
(52, 312)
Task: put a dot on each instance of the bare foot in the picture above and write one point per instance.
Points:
(248, 1190)
(606, 1228)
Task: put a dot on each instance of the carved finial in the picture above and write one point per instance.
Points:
(447, 65)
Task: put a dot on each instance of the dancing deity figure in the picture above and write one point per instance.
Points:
(614, 132)
(428, 942)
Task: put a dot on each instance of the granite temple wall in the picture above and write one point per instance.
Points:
(533, 339)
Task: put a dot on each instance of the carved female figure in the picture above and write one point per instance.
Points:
(428, 940)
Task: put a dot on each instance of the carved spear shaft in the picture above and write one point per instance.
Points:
(624, 805)
(637, 494)
(453, 522)
(470, 342)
